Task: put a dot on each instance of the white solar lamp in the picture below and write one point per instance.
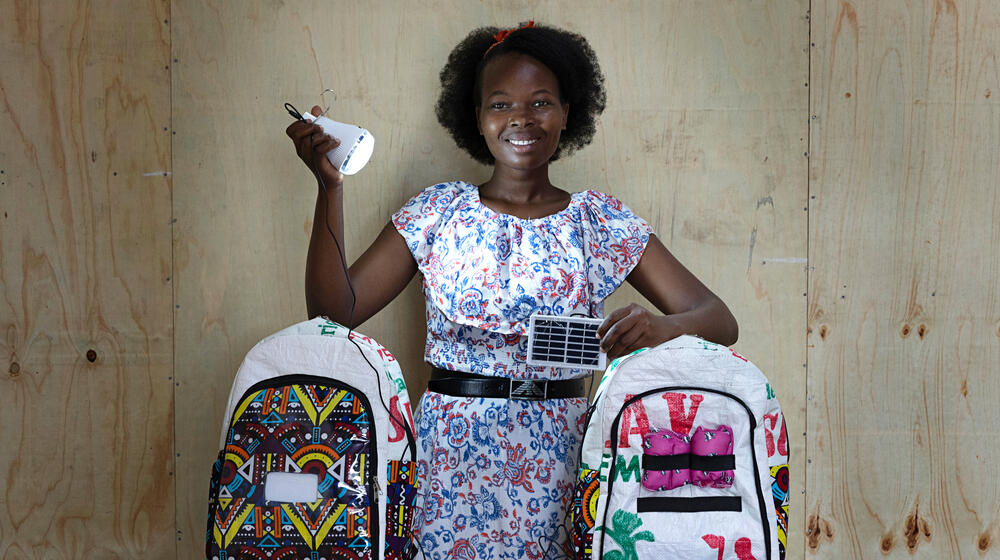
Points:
(356, 144)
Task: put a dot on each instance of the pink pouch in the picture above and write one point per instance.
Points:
(661, 443)
(712, 443)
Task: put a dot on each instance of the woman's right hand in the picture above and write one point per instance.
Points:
(312, 144)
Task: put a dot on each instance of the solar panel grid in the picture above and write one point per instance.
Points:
(564, 342)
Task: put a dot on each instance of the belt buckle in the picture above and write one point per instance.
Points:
(528, 390)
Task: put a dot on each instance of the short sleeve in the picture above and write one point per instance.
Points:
(417, 221)
(615, 238)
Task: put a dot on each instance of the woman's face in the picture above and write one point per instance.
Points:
(520, 115)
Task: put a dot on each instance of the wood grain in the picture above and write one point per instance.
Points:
(895, 208)
(704, 135)
(86, 398)
(904, 239)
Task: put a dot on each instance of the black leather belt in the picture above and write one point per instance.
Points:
(462, 384)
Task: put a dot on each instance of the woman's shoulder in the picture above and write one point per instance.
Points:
(604, 207)
(435, 198)
(447, 188)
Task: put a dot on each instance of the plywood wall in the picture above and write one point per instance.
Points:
(904, 247)
(704, 135)
(86, 396)
(828, 168)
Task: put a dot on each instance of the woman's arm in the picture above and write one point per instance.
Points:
(382, 271)
(378, 276)
(688, 307)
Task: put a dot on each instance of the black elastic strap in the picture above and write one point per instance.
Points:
(689, 505)
(688, 461)
(666, 462)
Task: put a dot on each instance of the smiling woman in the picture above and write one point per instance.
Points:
(565, 55)
(493, 255)
(521, 115)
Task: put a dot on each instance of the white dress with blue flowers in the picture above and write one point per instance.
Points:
(496, 476)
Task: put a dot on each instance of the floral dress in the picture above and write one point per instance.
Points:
(496, 476)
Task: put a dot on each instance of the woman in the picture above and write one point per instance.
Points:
(496, 474)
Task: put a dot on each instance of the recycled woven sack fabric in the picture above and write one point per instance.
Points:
(687, 386)
(317, 458)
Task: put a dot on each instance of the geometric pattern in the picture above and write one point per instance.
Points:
(588, 488)
(312, 426)
(779, 491)
(401, 495)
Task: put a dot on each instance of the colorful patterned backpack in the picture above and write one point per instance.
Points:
(684, 456)
(317, 459)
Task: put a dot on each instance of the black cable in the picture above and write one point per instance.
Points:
(294, 112)
(410, 439)
(567, 523)
(411, 442)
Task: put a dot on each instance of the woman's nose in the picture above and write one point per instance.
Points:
(520, 118)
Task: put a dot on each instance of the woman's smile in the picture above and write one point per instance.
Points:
(522, 144)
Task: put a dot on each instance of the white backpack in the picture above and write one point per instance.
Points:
(684, 456)
(317, 458)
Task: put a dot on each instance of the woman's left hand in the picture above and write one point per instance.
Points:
(632, 327)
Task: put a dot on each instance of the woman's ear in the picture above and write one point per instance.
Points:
(565, 108)
(478, 126)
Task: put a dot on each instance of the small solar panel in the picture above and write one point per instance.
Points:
(570, 342)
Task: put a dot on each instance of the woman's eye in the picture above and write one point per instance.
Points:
(542, 103)
(498, 105)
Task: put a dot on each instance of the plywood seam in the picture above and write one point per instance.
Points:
(809, 266)
(173, 280)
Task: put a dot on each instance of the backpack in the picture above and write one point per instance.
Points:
(316, 458)
(685, 455)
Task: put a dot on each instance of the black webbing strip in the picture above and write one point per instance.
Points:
(713, 462)
(689, 505)
(666, 462)
(688, 461)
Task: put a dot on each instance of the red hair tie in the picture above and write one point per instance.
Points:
(499, 36)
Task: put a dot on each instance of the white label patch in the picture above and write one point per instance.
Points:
(291, 487)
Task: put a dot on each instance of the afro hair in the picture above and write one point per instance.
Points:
(567, 55)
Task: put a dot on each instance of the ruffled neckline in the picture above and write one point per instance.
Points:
(491, 270)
